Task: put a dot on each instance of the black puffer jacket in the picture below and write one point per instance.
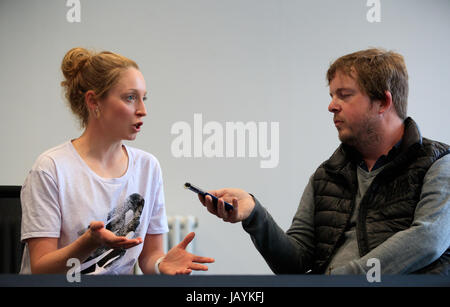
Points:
(388, 205)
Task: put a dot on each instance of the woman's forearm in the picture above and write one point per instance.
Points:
(147, 265)
(55, 262)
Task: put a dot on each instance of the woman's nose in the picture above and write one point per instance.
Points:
(141, 110)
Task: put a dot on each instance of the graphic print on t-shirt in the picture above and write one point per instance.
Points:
(122, 221)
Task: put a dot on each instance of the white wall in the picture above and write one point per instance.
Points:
(230, 60)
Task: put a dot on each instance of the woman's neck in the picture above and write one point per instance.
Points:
(105, 157)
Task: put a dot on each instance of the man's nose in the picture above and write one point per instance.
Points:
(334, 106)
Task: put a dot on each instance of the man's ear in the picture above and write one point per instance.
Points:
(385, 104)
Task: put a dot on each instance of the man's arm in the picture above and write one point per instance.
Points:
(427, 238)
(290, 252)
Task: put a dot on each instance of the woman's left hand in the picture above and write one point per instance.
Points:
(179, 261)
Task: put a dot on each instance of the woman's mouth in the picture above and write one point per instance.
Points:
(137, 126)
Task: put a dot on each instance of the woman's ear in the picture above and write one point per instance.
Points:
(92, 103)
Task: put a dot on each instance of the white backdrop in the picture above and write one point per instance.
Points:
(249, 61)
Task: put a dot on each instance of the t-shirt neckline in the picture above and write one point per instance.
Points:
(107, 180)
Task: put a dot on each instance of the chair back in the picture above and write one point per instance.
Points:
(11, 248)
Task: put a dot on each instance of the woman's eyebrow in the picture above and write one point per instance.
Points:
(136, 91)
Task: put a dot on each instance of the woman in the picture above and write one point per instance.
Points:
(93, 198)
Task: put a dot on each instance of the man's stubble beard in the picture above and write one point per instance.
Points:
(365, 137)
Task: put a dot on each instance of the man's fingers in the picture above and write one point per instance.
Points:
(219, 193)
(221, 212)
(210, 205)
(218, 207)
(202, 199)
(235, 211)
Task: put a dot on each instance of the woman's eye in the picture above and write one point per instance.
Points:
(131, 98)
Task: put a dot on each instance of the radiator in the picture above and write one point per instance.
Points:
(179, 227)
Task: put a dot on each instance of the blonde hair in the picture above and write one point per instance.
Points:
(85, 70)
(377, 71)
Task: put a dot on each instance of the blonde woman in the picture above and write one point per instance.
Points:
(94, 198)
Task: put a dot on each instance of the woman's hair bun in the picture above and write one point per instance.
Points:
(73, 62)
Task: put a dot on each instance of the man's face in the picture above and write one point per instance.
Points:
(354, 116)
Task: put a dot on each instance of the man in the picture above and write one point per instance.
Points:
(384, 193)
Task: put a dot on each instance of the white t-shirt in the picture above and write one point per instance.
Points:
(62, 195)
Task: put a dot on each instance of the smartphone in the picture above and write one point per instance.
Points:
(193, 188)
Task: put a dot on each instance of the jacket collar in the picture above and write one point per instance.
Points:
(346, 155)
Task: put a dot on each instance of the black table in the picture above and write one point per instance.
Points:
(223, 281)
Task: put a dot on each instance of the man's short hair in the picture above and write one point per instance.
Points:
(376, 71)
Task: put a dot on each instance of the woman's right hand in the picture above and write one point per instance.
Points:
(242, 202)
(103, 237)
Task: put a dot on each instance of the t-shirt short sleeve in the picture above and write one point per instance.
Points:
(158, 221)
(41, 215)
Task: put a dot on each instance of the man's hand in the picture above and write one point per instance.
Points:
(242, 202)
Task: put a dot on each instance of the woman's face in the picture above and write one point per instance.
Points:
(122, 110)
